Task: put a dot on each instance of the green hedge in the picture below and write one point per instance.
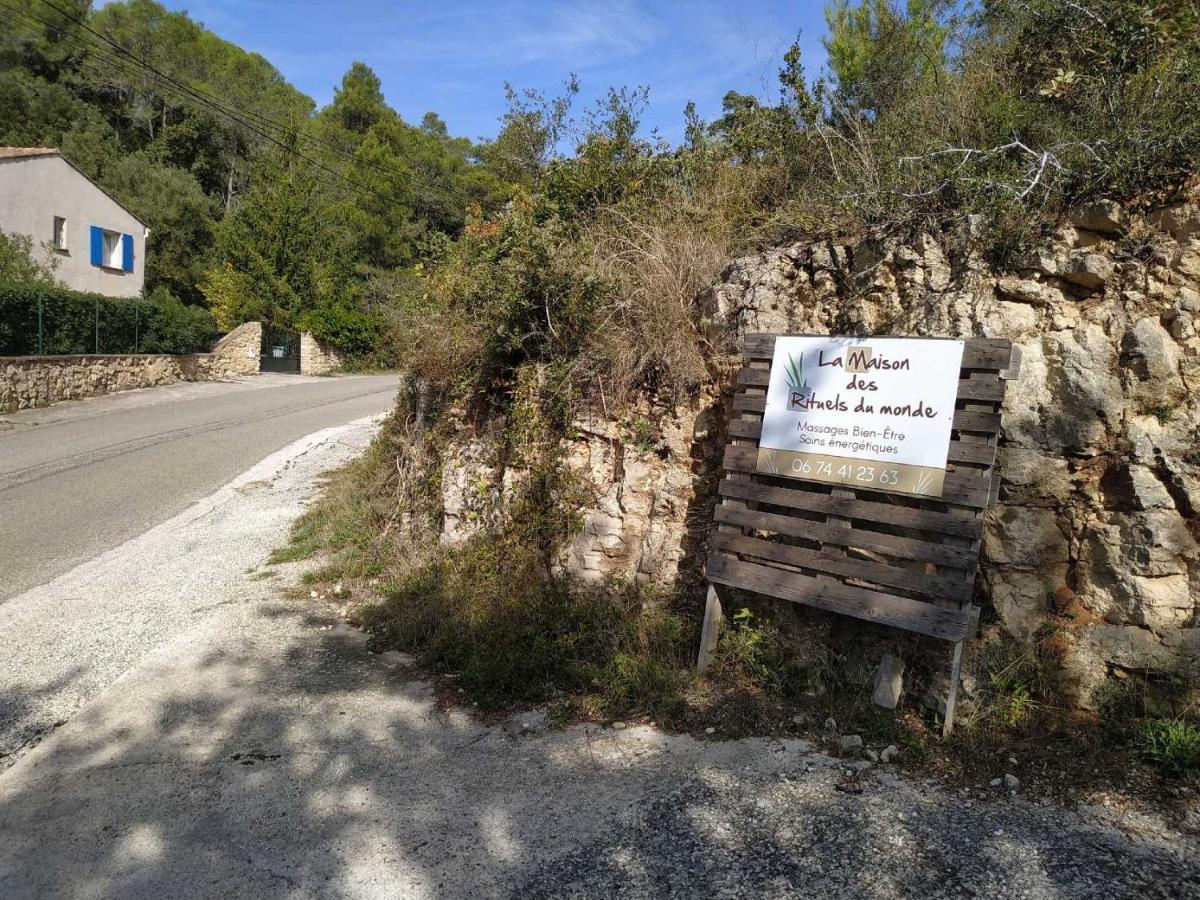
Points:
(73, 323)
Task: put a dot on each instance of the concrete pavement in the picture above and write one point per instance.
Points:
(79, 478)
(65, 642)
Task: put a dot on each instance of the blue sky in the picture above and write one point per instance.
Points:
(454, 57)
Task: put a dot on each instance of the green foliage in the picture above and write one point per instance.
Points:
(492, 612)
(1016, 681)
(172, 326)
(932, 112)
(1170, 745)
(756, 654)
(351, 330)
(17, 261)
(75, 323)
(361, 190)
(1124, 701)
(530, 133)
(286, 264)
(877, 50)
(275, 251)
(358, 103)
(505, 295)
(180, 216)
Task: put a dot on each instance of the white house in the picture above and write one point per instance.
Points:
(95, 243)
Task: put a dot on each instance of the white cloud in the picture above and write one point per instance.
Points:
(571, 36)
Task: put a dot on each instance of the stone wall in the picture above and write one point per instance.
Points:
(34, 381)
(237, 353)
(317, 358)
(637, 493)
(1096, 531)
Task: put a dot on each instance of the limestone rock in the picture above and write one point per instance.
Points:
(1089, 270)
(1180, 219)
(1134, 569)
(1149, 352)
(1082, 398)
(889, 682)
(1025, 537)
(1099, 462)
(1030, 477)
(1028, 290)
(1105, 216)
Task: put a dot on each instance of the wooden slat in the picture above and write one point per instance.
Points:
(873, 606)
(875, 541)
(978, 353)
(956, 590)
(964, 489)
(854, 508)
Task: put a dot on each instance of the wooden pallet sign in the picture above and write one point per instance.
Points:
(856, 477)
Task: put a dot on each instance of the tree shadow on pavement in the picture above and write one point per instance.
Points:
(24, 716)
(287, 760)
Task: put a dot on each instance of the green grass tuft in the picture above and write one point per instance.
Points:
(1170, 745)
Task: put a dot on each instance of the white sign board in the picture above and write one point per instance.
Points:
(867, 412)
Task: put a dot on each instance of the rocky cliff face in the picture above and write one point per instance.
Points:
(1101, 456)
(1096, 530)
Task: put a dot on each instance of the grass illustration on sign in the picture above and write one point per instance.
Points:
(795, 374)
(925, 481)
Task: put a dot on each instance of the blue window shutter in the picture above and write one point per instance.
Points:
(127, 252)
(97, 245)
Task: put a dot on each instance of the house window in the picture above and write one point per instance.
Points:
(60, 233)
(112, 249)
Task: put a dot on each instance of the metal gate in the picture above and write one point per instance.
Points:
(280, 350)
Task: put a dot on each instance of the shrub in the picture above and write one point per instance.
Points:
(74, 323)
(17, 262)
(172, 326)
(494, 613)
(1171, 745)
(352, 331)
(1016, 681)
(756, 654)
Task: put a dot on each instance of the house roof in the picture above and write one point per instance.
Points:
(14, 152)
(25, 152)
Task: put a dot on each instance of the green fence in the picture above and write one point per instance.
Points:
(40, 319)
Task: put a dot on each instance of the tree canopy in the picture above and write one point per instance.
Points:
(259, 204)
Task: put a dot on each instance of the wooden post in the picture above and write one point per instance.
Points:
(952, 696)
(713, 617)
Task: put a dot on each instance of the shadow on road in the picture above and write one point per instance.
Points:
(287, 760)
(23, 718)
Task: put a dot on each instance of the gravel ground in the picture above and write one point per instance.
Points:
(797, 835)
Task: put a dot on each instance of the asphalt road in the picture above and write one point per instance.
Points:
(79, 478)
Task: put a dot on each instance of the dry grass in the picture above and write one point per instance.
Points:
(649, 331)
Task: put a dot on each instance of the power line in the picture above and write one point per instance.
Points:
(122, 66)
(200, 93)
(182, 89)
